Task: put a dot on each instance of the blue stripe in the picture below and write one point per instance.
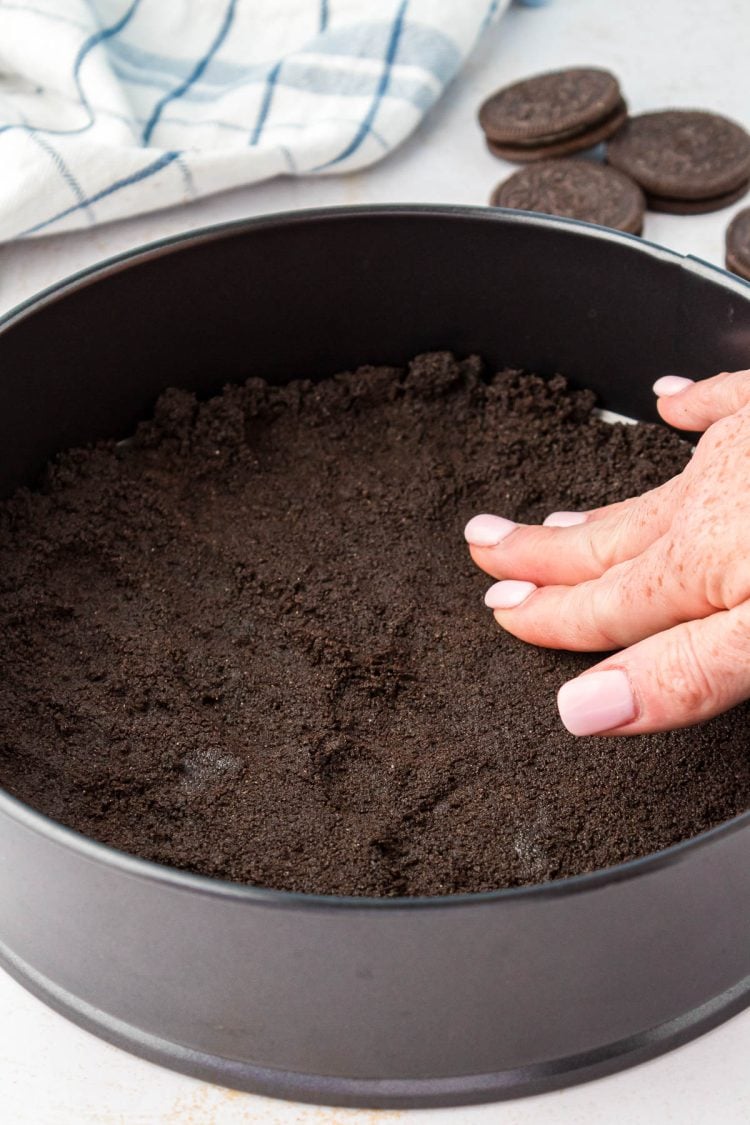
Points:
(380, 93)
(289, 159)
(98, 37)
(134, 178)
(489, 16)
(266, 103)
(381, 140)
(194, 75)
(323, 14)
(187, 178)
(130, 54)
(136, 79)
(63, 170)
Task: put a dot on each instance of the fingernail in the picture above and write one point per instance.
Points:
(564, 519)
(488, 531)
(508, 594)
(671, 385)
(596, 702)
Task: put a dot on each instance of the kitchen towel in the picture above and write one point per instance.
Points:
(113, 107)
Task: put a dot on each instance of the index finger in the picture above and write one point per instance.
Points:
(567, 555)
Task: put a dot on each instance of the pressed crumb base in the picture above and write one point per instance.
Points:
(251, 642)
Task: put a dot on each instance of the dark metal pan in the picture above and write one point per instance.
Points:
(401, 1002)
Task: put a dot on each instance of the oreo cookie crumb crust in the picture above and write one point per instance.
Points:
(251, 642)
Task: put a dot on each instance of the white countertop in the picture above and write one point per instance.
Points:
(688, 53)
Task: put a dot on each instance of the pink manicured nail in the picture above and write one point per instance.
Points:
(508, 594)
(596, 702)
(671, 385)
(488, 531)
(564, 519)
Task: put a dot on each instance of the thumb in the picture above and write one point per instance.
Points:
(677, 678)
(696, 406)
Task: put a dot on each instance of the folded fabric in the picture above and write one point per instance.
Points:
(114, 107)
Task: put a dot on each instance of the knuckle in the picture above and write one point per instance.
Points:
(617, 539)
(607, 540)
(726, 582)
(600, 548)
(604, 610)
(682, 674)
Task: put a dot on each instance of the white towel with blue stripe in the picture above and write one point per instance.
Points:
(113, 107)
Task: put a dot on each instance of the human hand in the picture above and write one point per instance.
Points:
(664, 577)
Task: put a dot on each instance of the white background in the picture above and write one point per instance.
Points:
(691, 53)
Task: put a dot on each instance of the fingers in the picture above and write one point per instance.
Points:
(629, 602)
(558, 554)
(675, 679)
(696, 406)
(573, 546)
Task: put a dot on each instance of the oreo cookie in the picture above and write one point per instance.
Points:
(738, 244)
(687, 161)
(696, 206)
(576, 189)
(553, 114)
(522, 154)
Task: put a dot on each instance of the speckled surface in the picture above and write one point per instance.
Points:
(672, 53)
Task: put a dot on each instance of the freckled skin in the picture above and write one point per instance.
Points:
(664, 576)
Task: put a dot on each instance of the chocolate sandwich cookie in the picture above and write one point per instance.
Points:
(680, 157)
(738, 244)
(553, 114)
(576, 189)
(696, 206)
(567, 146)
